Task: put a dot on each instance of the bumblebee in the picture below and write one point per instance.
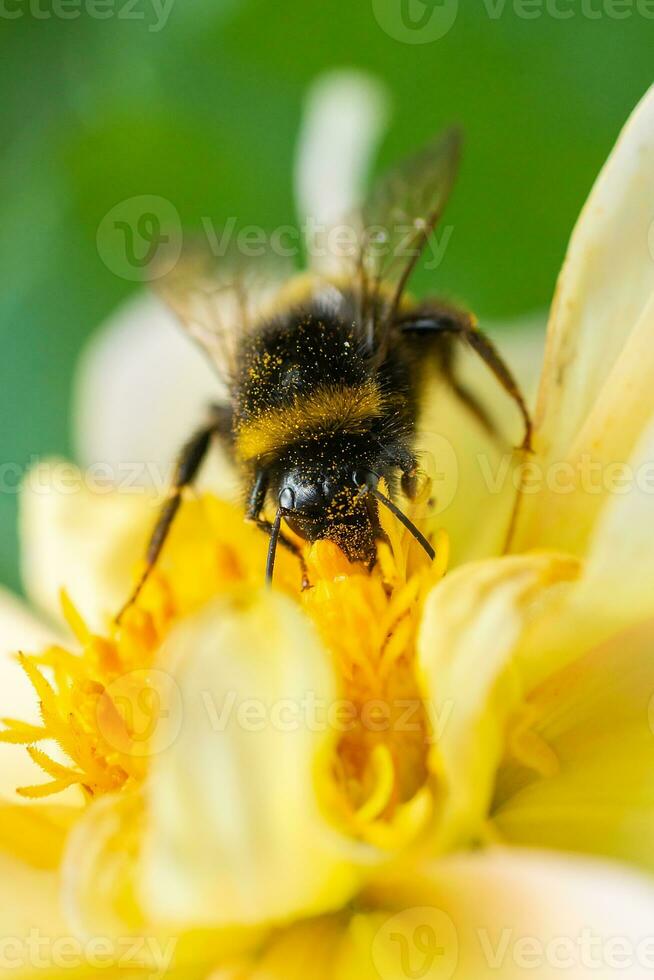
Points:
(325, 374)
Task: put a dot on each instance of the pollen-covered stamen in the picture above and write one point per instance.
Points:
(384, 737)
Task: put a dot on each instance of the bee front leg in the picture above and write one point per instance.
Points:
(188, 464)
(256, 500)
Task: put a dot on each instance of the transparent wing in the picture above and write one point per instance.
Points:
(378, 247)
(218, 299)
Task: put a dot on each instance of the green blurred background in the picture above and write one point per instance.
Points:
(205, 111)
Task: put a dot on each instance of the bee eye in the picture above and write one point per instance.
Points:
(287, 499)
(364, 478)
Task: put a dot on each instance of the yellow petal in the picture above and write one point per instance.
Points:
(595, 395)
(86, 538)
(620, 563)
(614, 591)
(472, 623)
(309, 949)
(596, 718)
(35, 834)
(234, 827)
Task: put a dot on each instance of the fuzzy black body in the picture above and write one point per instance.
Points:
(317, 417)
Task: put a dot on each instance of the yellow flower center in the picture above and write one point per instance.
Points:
(100, 705)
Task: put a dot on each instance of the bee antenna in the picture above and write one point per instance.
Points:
(272, 547)
(403, 519)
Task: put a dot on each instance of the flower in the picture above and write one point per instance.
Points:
(398, 773)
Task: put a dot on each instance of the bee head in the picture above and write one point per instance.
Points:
(328, 498)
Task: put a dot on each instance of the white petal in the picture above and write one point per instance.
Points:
(510, 914)
(82, 537)
(495, 915)
(344, 119)
(142, 388)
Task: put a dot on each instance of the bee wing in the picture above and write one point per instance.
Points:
(217, 300)
(379, 246)
(403, 209)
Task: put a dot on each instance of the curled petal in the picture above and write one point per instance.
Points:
(596, 395)
(235, 828)
(579, 774)
(473, 622)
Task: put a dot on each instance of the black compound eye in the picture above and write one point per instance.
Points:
(287, 499)
(364, 478)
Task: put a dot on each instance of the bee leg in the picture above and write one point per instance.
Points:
(411, 481)
(267, 526)
(256, 500)
(441, 319)
(467, 397)
(186, 469)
